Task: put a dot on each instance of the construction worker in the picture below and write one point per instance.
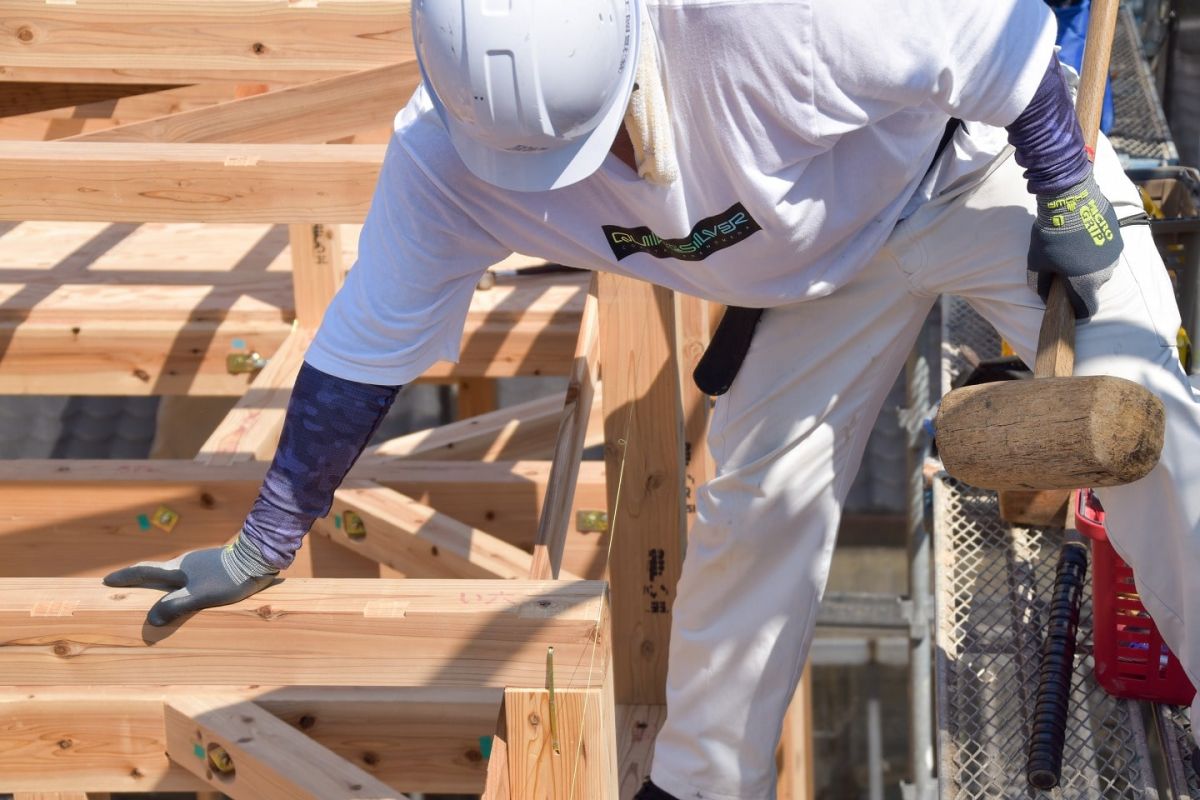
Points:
(803, 156)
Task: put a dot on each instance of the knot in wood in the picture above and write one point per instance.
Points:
(474, 756)
(259, 48)
(307, 721)
(65, 744)
(64, 649)
(534, 719)
(25, 33)
(266, 612)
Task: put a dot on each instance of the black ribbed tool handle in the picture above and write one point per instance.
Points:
(723, 358)
(1044, 767)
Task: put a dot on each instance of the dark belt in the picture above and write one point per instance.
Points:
(722, 359)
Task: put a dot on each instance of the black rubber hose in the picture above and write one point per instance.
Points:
(1052, 707)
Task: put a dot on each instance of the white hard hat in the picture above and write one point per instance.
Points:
(532, 92)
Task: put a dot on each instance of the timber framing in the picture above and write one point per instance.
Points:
(181, 189)
(191, 41)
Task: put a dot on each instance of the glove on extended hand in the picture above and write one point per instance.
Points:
(200, 579)
(1077, 236)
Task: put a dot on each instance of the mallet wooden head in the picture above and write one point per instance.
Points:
(1052, 432)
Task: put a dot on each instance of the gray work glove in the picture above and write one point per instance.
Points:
(200, 579)
(1077, 236)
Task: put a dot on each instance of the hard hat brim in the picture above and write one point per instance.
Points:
(548, 169)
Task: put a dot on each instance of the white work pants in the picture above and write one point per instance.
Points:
(789, 436)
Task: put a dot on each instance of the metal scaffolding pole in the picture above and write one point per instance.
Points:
(920, 580)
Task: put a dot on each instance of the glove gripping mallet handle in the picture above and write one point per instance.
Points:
(1056, 358)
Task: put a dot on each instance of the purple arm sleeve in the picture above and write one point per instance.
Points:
(1048, 139)
(329, 421)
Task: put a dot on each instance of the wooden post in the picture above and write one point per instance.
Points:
(584, 763)
(794, 758)
(317, 269)
(476, 396)
(644, 447)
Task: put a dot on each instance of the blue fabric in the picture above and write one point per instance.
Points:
(329, 421)
(1048, 139)
(1072, 33)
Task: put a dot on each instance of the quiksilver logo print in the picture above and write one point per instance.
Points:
(707, 237)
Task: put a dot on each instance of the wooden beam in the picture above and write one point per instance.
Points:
(86, 518)
(317, 270)
(157, 309)
(415, 539)
(644, 454)
(336, 632)
(122, 182)
(251, 431)
(30, 98)
(189, 41)
(248, 754)
(568, 449)
(112, 738)
(88, 354)
(311, 113)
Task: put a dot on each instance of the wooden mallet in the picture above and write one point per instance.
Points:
(1056, 431)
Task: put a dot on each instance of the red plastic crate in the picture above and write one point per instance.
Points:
(1131, 658)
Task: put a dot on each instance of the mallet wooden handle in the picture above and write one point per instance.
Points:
(1056, 339)
(1056, 344)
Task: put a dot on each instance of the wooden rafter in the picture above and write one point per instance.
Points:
(568, 449)
(260, 757)
(310, 113)
(415, 539)
(190, 41)
(523, 431)
(370, 632)
(136, 182)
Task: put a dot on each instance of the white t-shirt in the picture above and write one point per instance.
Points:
(803, 130)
